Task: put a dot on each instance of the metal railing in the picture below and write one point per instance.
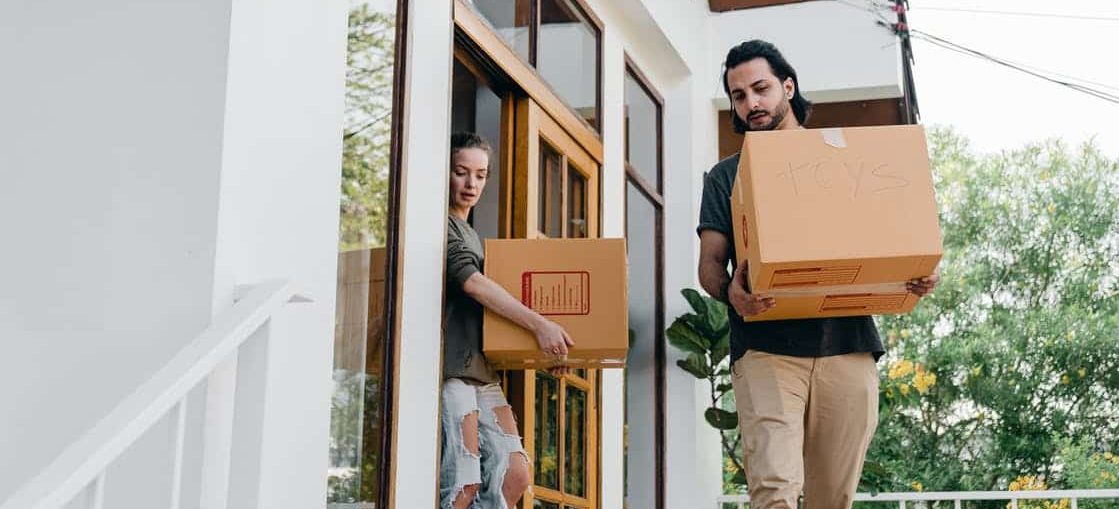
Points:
(231, 357)
(956, 497)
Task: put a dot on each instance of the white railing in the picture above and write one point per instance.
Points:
(957, 497)
(231, 357)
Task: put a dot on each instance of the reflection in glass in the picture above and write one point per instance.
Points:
(642, 145)
(547, 431)
(576, 204)
(510, 19)
(544, 504)
(551, 181)
(567, 56)
(575, 442)
(357, 412)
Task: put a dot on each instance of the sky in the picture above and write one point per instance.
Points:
(999, 108)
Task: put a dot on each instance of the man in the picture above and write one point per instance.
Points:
(806, 390)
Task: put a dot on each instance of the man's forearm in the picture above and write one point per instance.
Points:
(714, 279)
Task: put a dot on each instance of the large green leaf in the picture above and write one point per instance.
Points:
(698, 303)
(721, 419)
(682, 336)
(695, 365)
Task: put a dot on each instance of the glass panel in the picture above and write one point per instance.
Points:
(547, 431)
(477, 108)
(575, 442)
(641, 219)
(357, 409)
(551, 175)
(510, 19)
(642, 144)
(576, 204)
(544, 504)
(581, 373)
(567, 56)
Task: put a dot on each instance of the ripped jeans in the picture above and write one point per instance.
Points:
(460, 467)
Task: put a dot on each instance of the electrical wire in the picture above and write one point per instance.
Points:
(1020, 13)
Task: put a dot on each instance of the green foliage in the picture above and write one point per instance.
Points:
(367, 131)
(1019, 340)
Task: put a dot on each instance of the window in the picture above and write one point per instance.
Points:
(561, 39)
(645, 245)
(359, 433)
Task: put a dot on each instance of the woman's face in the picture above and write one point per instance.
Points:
(469, 170)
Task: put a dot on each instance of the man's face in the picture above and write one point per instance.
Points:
(759, 98)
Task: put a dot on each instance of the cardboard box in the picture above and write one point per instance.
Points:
(578, 283)
(833, 222)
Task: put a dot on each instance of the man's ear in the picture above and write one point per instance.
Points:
(790, 87)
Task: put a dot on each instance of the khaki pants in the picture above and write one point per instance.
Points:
(806, 424)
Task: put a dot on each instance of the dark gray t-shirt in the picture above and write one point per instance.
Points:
(812, 337)
(462, 315)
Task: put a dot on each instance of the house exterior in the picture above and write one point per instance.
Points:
(164, 157)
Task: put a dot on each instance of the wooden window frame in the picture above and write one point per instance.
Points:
(532, 126)
(476, 30)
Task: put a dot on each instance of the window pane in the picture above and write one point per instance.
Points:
(477, 108)
(551, 175)
(547, 431)
(544, 504)
(567, 56)
(641, 132)
(357, 410)
(641, 246)
(576, 204)
(510, 19)
(575, 442)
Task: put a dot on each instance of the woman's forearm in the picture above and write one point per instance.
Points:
(495, 298)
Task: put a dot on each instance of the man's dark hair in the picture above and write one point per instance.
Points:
(756, 48)
(463, 140)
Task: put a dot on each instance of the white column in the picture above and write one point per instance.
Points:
(612, 392)
(423, 224)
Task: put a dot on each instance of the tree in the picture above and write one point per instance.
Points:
(367, 132)
(1014, 357)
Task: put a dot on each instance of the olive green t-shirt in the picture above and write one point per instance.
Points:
(462, 315)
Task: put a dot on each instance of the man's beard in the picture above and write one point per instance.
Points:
(775, 117)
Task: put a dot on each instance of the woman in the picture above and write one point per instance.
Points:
(484, 463)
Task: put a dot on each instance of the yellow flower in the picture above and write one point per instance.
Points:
(905, 333)
(900, 369)
(917, 486)
(923, 381)
(1081, 372)
(1015, 486)
(904, 388)
(976, 370)
(1051, 208)
(1064, 379)
(1108, 455)
(889, 392)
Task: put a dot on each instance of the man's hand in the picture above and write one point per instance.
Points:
(922, 286)
(746, 304)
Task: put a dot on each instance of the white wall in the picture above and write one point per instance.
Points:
(155, 154)
(110, 152)
(846, 57)
(281, 171)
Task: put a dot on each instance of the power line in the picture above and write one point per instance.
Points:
(1021, 13)
(946, 44)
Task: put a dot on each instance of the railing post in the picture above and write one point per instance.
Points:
(248, 423)
(179, 418)
(218, 435)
